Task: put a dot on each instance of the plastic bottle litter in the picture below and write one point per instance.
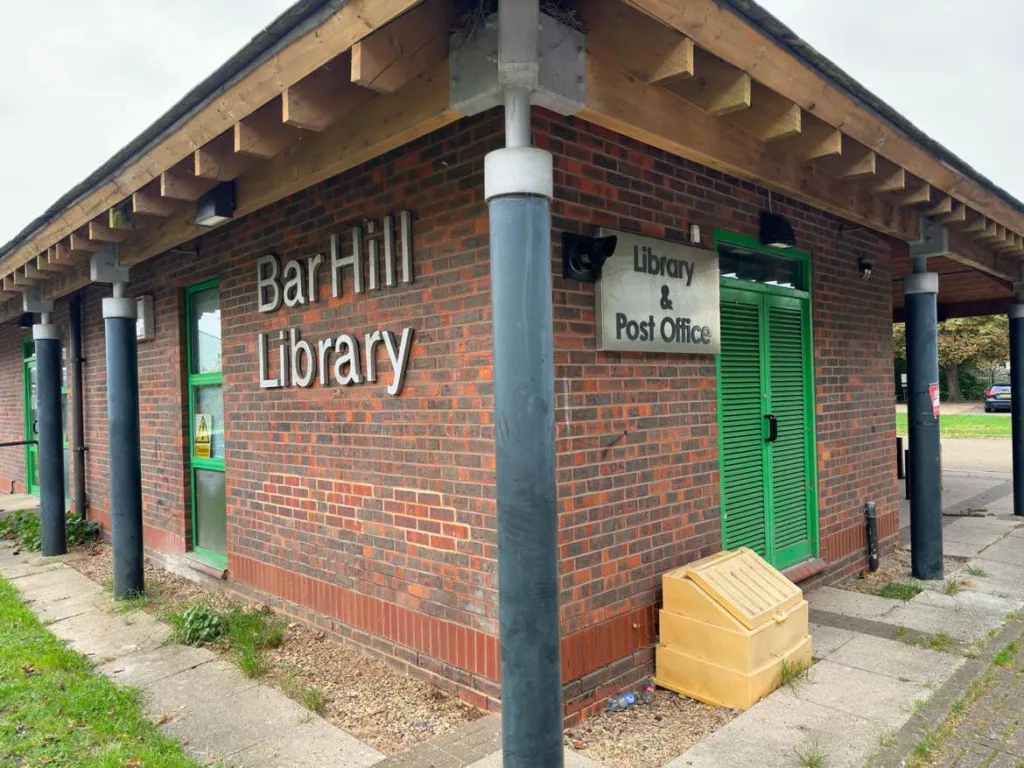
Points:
(620, 702)
(647, 693)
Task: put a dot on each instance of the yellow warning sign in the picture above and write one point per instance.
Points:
(204, 425)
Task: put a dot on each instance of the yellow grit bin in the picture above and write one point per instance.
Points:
(727, 624)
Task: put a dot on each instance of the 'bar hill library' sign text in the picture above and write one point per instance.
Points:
(657, 296)
(335, 359)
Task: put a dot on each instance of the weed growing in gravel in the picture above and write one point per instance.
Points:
(941, 643)
(195, 624)
(790, 672)
(250, 661)
(900, 590)
(900, 633)
(23, 528)
(973, 570)
(135, 602)
(312, 697)
(1005, 656)
(958, 708)
(887, 739)
(953, 586)
(249, 633)
(812, 757)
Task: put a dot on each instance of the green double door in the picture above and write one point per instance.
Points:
(769, 499)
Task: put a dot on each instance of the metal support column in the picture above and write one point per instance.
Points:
(924, 469)
(125, 463)
(1017, 403)
(518, 186)
(53, 535)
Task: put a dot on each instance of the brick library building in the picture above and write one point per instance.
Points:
(296, 337)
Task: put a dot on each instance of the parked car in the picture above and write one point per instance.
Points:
(997, 398)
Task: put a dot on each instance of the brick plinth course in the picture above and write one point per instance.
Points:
(374, 516)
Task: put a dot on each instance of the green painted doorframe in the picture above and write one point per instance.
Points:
(28, 350)
(766, 295)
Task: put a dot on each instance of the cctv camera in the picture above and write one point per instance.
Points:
(583, 256)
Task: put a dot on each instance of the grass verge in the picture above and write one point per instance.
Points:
(56, 710)
(965, 425)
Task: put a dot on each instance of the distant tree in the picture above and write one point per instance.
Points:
(977, 341)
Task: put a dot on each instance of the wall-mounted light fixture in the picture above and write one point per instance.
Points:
(217, 205)
(583, 256)
(776, 231)
(865, 266)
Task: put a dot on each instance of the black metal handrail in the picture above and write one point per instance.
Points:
(19, 442)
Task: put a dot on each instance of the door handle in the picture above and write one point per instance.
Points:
(773, 429)
(35, 427)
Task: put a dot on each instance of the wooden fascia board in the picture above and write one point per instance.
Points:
(726, 35)
(620, 102)
(350, 24)
(386, 122)
(971, 254)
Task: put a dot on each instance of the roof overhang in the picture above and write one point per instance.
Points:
(692, 77)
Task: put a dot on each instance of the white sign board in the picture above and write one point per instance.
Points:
(658, 296)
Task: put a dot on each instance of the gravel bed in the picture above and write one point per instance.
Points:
(648, 735)
(896, 567)
(377, 704)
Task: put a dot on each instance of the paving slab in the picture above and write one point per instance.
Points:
(147, 667)
(968, 616)
(856, 604)
(572, 760)
(965, 549)
(897, 660)
(57, 583)
(50, 611)
(1009, 550)
(999, 578)
(826, 640)
(105, 636)
(311, 742)
(217, 680)
(16, 570)
(215, 729)
(775, 731)
(857, 692)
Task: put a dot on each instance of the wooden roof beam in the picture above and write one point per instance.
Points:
(149, 202)
(263, 134)
(16, 283)
(642, 46)
(324, 97)
(65, 254)
(817, 139)
(181, 182)
(101, 231)
(716, 87)
(399, 52)
(80, 241)
(48, 262)
(918, 193)
(957, 215)
(855, 161)
(1010, 245)
(942, 207)
(889, 179)
(617, 101)
(770, 117)
(218, 160)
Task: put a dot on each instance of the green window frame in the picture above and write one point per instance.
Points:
(194, 380)
(28, 357)
(725, 237)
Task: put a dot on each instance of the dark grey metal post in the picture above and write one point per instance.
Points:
(518, 188)
(924, 468)
(1017, 403)
(53, 535)
(77, 410)
(123, 429)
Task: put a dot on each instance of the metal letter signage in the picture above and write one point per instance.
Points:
(286, 359)
(657, 296)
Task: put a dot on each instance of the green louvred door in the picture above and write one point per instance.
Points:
(790, 451)
(764, 374)
(742, 447)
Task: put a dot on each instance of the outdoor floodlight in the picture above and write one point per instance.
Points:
(217, 205)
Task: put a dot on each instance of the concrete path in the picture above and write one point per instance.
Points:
(867, 687)
(216, 712)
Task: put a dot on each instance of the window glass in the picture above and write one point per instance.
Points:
(205, 331)
(211, 518)
(209, 407)
(739, 263)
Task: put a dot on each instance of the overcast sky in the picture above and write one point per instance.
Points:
(81, 79)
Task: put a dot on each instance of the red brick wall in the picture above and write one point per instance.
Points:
(12, 408)
(373, 516)
(638, 473)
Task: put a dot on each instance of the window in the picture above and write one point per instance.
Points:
(738, 263)
(206, 421)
